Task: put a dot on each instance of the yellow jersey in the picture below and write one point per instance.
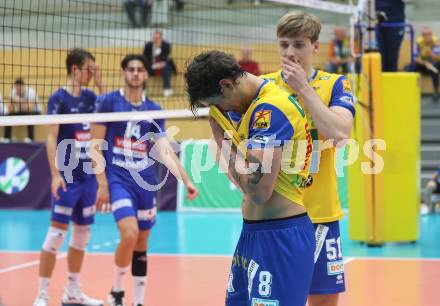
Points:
(321, 199)
(424, 49)
(275, 119)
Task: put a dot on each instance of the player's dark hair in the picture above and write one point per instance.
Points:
(77, 56)
(133, 57)
(205, 71)
(19, 81)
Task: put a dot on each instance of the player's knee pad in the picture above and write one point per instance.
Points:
(54, 239)
(80, 237)
(139, 264)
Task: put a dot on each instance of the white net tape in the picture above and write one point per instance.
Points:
(100, 117)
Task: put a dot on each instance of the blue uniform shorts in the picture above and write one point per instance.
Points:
(328, 277)
(133, 201)
(273, 263)
(77, 203)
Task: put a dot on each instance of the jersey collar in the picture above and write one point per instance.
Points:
(259, 89)
(121, 92)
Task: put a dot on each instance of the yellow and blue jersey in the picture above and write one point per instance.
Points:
(275, 119)
(321, 198)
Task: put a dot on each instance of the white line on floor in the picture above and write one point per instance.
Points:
(26, 264)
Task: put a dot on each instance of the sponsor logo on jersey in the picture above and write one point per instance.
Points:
(324, 78)
(301, 182)
(262, 119)
(335, 267)
(14, 175)
(346, 87)
(346, 99)
(260, 139)
(231, 288)
(264, 302)
(339, 279)
(129, 147)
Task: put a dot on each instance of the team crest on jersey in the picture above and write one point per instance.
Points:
(346, 86)
(264, 302)
(262, 119)
(335, 267)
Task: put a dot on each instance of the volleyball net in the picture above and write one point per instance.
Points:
(37, 36)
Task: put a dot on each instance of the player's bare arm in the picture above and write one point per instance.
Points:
(51, 149)
(168, 157)
(102, 195)
(258, 185)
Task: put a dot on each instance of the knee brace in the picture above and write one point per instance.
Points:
(80, 237)
(54, 240)
(139, 264)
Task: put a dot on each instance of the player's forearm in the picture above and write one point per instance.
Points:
(171, 161)
(98, 162)
(239, 167)
(328, 123)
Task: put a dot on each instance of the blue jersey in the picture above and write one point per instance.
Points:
(129, 142)
(77, 134)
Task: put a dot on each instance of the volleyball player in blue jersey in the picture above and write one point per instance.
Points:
(129, 182)
(72, 188)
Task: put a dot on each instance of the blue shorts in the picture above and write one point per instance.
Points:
(328, 277)
(77, 203)
(273, 263)
(128, 201)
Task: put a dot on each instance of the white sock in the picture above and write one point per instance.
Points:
(43, 284)
(72, 281)
(118, 283)
(139, 283)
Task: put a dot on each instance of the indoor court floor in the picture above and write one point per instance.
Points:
(190, 255)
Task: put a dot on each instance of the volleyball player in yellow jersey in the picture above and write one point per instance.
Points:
(328, 103)
(273, 261)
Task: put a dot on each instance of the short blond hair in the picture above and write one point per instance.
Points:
(299, 23)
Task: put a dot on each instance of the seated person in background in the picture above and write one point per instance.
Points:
(157, 53)
(339, 52)
(247, 63)
(428, 58)
(23, 101)
(433, 191)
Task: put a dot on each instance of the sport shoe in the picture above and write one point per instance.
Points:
(78, 298)
(42, 299)
(116, 298)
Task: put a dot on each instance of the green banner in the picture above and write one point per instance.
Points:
(216, 192)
